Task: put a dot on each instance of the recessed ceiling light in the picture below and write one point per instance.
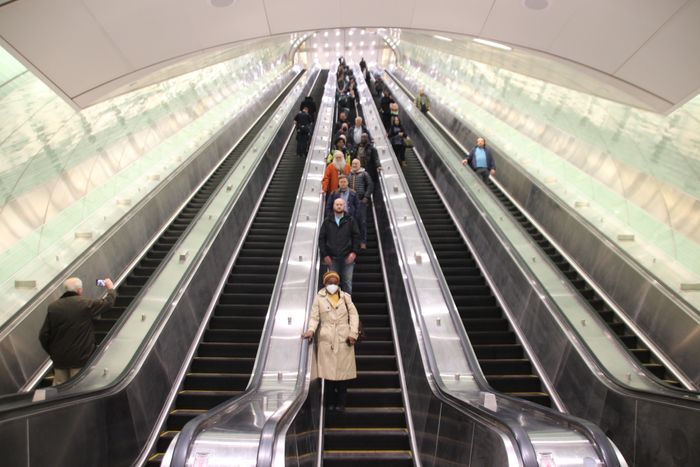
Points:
(492, 44)
(325, 34)
(337, 33)
(536, 4)
(442, 38)
(222, 3)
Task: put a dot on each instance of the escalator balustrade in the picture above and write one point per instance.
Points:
(372, 430)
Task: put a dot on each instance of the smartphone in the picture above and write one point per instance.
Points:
(99, 282)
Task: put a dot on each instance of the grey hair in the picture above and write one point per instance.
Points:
(73, 284)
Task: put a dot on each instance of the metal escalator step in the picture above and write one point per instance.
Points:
(227, 349)
(366, 439)
(375, 379)
(505, 366)
(376, 363)
(178, 418)
(238, 309)
(232, 335)
(494, 351)
(203, 400)
(222, 364)
(515, 383)
(236, 322)
(367, 458)
(375, 397)
(368, 417)
(217, 381)
(248, 298)
(485, 324)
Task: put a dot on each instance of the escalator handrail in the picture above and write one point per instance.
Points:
(23, 403)
(590, 430)
(12, 398)
(653, 348)
(516, 432)
(188, 435)
(664, 391)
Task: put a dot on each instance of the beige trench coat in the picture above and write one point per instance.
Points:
(335, 358)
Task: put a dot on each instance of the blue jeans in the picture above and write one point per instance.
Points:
(345, 271)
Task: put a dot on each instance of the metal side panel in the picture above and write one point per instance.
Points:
(110, 427)
(20, 353)
(671, 323)
(444, 434)
(640, 424)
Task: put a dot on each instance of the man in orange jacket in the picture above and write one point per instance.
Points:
(330, 177)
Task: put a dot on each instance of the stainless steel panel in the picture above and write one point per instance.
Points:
(20, 353)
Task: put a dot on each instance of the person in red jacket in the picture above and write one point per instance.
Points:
(336, 168)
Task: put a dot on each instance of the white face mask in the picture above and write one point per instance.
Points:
(332, 288)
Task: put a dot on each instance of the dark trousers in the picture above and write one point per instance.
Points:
(336, 393)
(302, 143)
(484, 173)
(361, 216)
(400, 151)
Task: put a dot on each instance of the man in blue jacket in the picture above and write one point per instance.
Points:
(339, 242)
(348, 195)
(481, 160)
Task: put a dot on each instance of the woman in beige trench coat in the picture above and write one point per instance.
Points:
(336, 318)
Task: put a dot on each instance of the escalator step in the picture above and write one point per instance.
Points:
(367, 417)
(204, 400)
(367, 439)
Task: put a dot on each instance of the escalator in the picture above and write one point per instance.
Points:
(503, 360)
(224, 359)
(372, 430)
(617, 326)
(134, 282)
(628, 338)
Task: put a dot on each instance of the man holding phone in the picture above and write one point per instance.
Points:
(68, 335)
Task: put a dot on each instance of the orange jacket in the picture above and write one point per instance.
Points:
(330, 178)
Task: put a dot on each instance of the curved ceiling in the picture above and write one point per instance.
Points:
(87, 49)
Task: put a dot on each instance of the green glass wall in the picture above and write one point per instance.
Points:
(628, 171)
(63, 170)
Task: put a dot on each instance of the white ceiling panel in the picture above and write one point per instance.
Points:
(51, 35)
(606, 46)
(460, 16)
(179, 31)
(302, 15)
(88, 49)
(377, 13)
(669, 63)
(511, 22)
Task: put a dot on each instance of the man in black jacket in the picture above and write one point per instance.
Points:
(309, 103)
(68, 335)
(304, 128)
(339, 242)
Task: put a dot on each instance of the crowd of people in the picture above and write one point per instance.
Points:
(349, 180)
